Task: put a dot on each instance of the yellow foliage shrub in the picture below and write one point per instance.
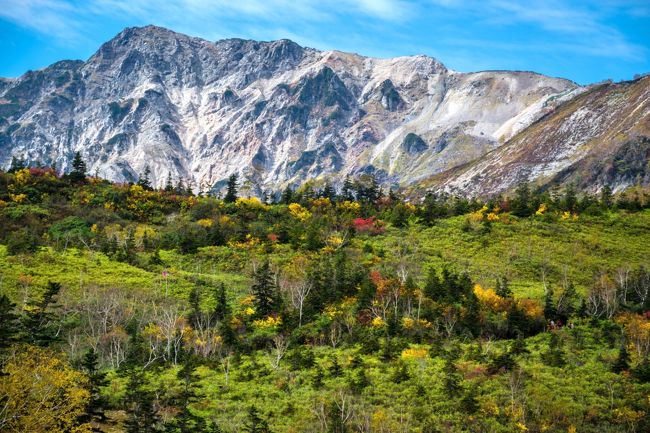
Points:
(205, 222)
(415, 353)
(268, 322)
(490, 299)
(42, 394)
(299, 212)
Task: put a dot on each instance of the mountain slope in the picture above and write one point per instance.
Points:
(599, 138)
(274, 112)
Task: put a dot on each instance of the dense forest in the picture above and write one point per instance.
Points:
(125, 308)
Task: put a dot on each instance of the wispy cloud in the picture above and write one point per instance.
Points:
(571, 27)
(69, 19)
(492, 33)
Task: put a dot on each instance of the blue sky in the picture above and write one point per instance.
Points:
(586, 41)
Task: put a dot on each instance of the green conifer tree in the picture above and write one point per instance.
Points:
(265, 291)
(78, 173)
(231, 189)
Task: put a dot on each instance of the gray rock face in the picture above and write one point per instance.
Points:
(274, 112)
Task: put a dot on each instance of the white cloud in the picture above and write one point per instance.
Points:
(572, 27)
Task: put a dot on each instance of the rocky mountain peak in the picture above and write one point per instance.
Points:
(274, 112)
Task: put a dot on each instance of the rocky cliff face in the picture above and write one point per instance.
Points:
(274, 112)
(601, 137)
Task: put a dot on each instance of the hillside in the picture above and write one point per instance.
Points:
(599, 138)
(128, 309)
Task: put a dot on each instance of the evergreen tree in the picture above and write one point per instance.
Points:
(194, 317)
(566, 308)
(329, 192)
(335, 369)
(606, 197)
(169, 186)
(401, 373)
(550, 312)
(180, 187)
(17, 164)
(144, 181)
(432, 209)
(521, 203)
(38, 324)
(265, 291)
(623, 360)
(8, 322)
(503, 288)
(231, 191)
(469, 402)
(471, 318)
(188, 189)
(186, 421)
(139, 405)
(452, 380)
(78, 173)
(517, 321)
(570, 200)
(347, 192)
(96, 379)
(255, 423)
(287, 196)
(399, 215)
(554, 356)
(434, 288)
(222, 309)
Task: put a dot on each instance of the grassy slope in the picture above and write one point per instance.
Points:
(519, 249)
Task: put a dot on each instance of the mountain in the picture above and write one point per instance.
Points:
(279, 114)
(600, 137)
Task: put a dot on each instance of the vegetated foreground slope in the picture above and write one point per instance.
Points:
(274, 112)
(601, 137)
(127, 309)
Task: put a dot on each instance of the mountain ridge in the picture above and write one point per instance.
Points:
(273, 112)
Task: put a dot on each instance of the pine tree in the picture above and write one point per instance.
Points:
(265, 291)
(96, 379)
(195, 307)
(517, 321)
(155, 259)
(169, 186)
(231, 189)
(78, 173)
(373, 192)
(521, 203)
(570, 200)
(469, 402)
(39, 321)
(139, 404)
(606, 198)
(180, 187)
(434, 288)
(186, 421)
(144, 180)
(503, 288)
(623, 360)
(347, 192)
(452, 380)
(221, 309)
(328, 192)
(287, 196)
(550, 313)
(8, 322)
(554, 356)
(17, 164)
(255, 423)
